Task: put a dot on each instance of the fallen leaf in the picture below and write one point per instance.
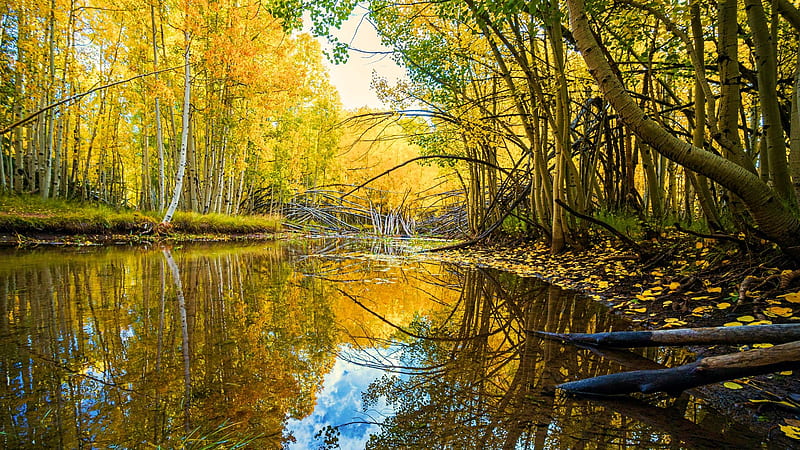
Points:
(779, 311)
(791, 431)
(732, 385)
(723, 305)
(761, 322)
(733, 324)
(746, 318)
(714, 290)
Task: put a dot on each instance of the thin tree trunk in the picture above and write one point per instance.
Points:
(767, 74)
(159, 134)
(176, 195)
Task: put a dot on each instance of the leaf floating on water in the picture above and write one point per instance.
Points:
(732, 385)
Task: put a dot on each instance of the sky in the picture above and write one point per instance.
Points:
(354, 78)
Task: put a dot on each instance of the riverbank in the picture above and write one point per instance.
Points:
(30, 220)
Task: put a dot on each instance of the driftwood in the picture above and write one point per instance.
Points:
(751, 334)
(709, 370)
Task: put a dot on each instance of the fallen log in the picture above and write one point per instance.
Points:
(752, 334)
(705, 371)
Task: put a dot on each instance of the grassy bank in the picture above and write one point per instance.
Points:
(27, 215)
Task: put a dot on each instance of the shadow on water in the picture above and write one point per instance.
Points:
(225, 345)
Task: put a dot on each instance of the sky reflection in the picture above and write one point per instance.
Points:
(339, 402)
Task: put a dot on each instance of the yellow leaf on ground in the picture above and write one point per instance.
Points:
(780, 311)
(733, 324)
(794, 297)
(723, 305)
(762, 345)
(791, 431)
(746, 318)
(732, 385)
(674, 285)
(714, 289)
(639, 310)
(761, 322)
(785, 373)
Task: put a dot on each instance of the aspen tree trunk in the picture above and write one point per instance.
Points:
(159, 133)
(774, 219)
(176, 195)
(767, 74)
(146, 196)
(19, 94)
(699, 182)
(730, 99)
(3, 185)
(559, 228)
(794, 134)
(48, 145)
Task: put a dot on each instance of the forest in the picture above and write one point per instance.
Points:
(548, 121)
(532, 113)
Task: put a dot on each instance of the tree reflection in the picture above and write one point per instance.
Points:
(479, 380)
(222, 344)
(98, 350)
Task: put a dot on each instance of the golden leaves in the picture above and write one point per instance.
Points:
(792, 431)
(794, 297)
(732, 385)
(778, 311)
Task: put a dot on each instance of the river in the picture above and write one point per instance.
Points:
(313, 343)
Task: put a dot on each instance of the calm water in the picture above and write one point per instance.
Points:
(311, 344)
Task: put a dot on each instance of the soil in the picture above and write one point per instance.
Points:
(681, 283)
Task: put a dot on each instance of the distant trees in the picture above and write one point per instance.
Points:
(122, 144)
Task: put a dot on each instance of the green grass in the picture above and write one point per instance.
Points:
(32, 214)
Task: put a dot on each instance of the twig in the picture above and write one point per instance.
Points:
(625, 239)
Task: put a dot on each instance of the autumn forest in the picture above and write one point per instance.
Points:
(662, 133)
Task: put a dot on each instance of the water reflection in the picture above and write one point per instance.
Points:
(227, 344)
